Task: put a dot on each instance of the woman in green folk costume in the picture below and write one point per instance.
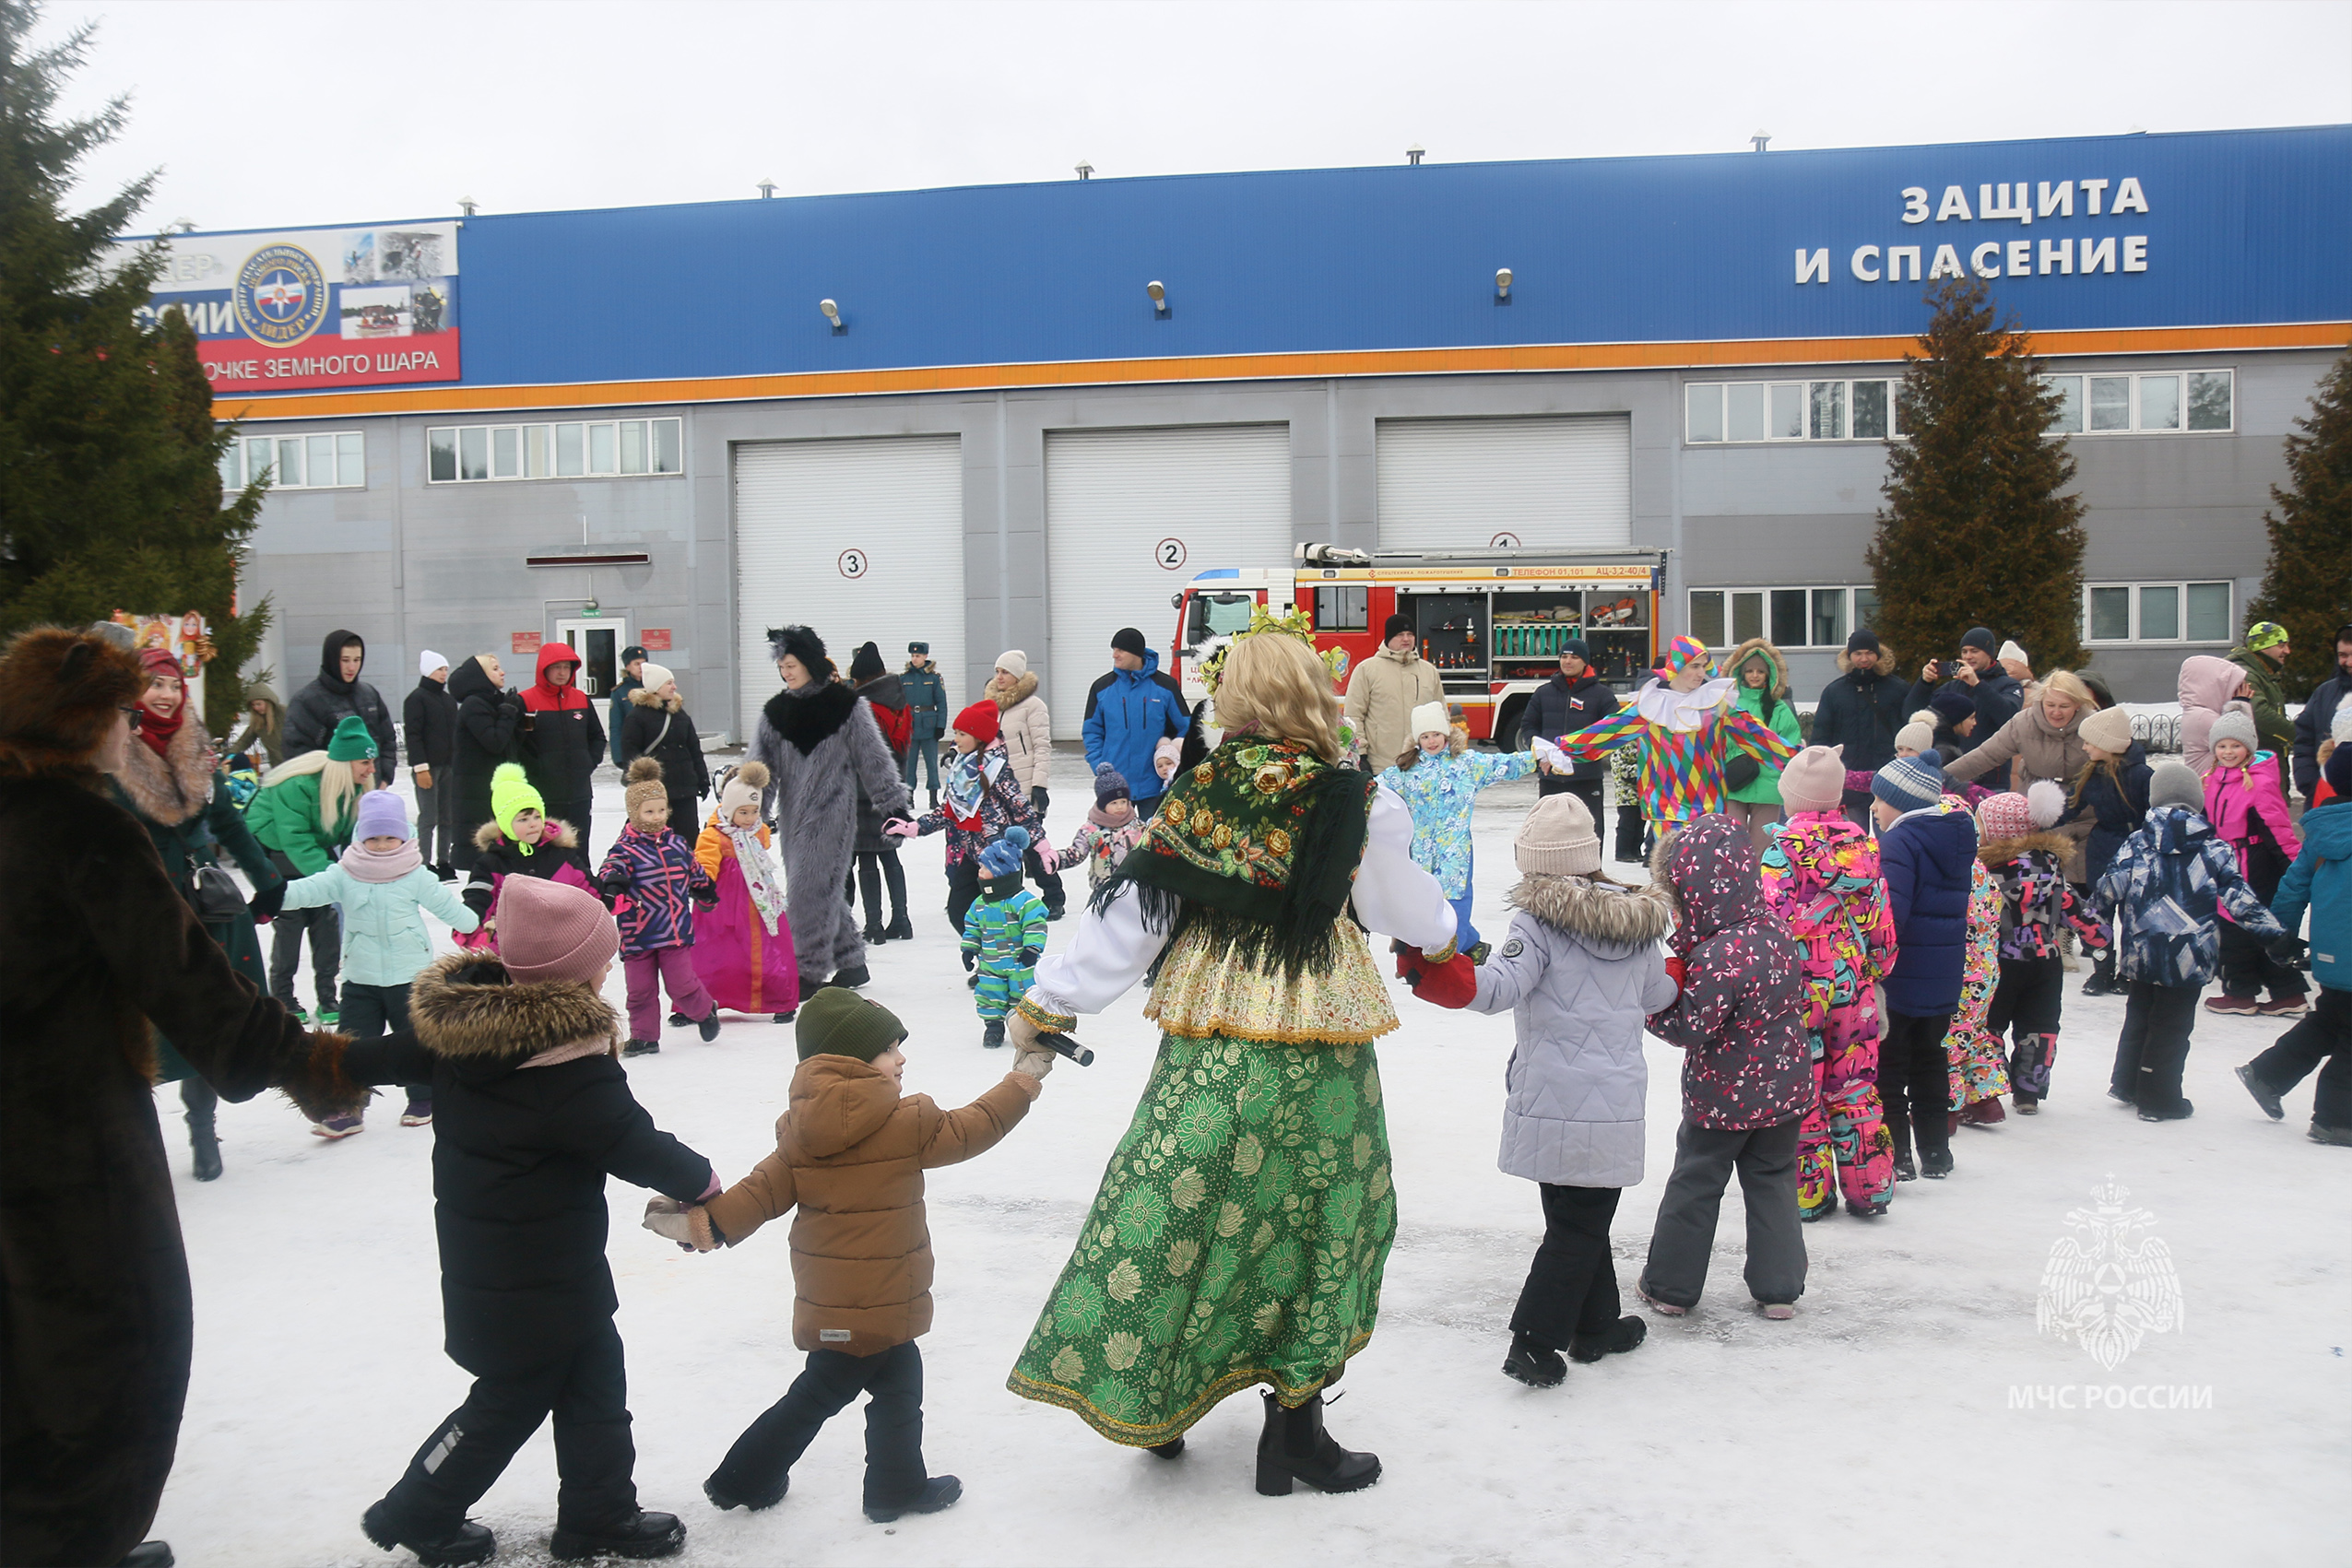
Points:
(1244, 1221)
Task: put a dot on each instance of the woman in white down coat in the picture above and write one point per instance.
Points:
(1027, 729)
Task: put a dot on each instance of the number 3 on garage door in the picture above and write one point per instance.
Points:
(853, 563)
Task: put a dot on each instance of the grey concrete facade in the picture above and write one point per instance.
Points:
(412, 565)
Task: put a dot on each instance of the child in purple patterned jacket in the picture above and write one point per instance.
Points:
(652, 881)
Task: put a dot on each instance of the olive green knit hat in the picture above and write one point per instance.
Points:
(837, 1021)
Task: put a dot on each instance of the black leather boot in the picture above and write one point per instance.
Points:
(647, 1535)
(207, 1154)
(468, 1542)
(149, 1554)
(1293, 1447)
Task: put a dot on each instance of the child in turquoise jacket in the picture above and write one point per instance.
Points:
(1438, 780)
(381, 883)
(1004, 934)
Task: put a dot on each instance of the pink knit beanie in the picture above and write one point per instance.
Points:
(552, 931)
(1815, 779)
(2005, 816)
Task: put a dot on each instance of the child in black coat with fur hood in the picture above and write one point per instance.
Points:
(532, 1111)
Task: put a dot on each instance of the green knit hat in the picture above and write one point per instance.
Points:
(2265, 634)
(511, 792)
(351, 741)
(837, 1021)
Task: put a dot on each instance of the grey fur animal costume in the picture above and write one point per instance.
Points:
(822, 745)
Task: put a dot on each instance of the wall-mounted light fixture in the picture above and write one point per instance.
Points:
(1159, 292)
(833, 313)
(1414, 154)
(1502, 285)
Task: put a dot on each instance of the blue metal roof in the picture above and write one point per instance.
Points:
(2241, 226)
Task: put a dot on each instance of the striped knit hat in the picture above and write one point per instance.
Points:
(1909, 784)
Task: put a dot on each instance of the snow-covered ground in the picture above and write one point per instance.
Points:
(1883, 1424)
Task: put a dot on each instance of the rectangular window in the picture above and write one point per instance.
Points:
(232, 469)
(1743, 410)
(2111, 403)
(2198, 400)
(1870, 410)
(2158, 612)
(289, 463)
(1704, 405)
(1793, 618)
(1789, 616)
(473, 452)
(1766, 410)
(2209, 402)
(2068, 420)
(329, 460)
(351, 459)
(1828, 618)
(470, 453)
(1826, 420)
(318, 458)
(1343, 609)
(1706, 617)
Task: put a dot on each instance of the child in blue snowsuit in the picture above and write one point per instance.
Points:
(1004, 933)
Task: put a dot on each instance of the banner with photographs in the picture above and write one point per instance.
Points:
(314, 308)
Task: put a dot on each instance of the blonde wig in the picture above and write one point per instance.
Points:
(1274, 685)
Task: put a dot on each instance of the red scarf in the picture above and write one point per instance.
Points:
(159, 732)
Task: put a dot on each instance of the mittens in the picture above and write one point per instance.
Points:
(1676, 970)
(1453, 983)
(1029, 957)
(667, 1218)
(265, 904)
(969, 958)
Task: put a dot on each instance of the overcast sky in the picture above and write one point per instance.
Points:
(261, 114)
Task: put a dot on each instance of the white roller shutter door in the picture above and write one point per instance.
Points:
(799, 506)
(1560, 482)
(1223, 491)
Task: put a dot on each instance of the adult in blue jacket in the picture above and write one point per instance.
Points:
(2320, 881)
(1927, 849)
(1129, 713)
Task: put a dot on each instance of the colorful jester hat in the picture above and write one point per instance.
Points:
(1295, 624)
(1682, 652)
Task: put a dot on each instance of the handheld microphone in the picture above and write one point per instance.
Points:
(1063, 1046)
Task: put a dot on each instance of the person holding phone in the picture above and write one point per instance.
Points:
(1997, 695)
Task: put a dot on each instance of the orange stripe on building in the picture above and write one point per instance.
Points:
(1794, 351)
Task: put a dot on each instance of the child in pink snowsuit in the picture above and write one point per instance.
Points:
(651, 881)
(2247, 810)
(742, 949)
(1821, 877)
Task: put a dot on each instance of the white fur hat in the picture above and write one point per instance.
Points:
(743, 787)
(1429, 718)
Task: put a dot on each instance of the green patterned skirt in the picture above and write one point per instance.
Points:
(1238, 1238)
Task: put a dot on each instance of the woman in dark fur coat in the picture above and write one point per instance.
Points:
(822, 746)
(102, 953)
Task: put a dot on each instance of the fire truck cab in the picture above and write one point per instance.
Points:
(1492, 621)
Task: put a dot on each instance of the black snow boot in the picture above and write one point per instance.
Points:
(709, 1028)
(468, 1542)
(1935, 1164)
(2265, 1095)
(679, 1019)
(640, 1048)
(207, 1151)
(1537, 1366)
(993, 1035)
(725, 1494)
(149, 1554)
(1168, 1450)
(850, 979)
(873, 935)
(647, 1535)
(939, 1491)
(1293, 1447)
(1904, 1170)
(787, 1015)
(900, 930)
(1614, 1340)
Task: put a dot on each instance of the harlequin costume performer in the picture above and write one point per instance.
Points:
(1243, 1224)
(1687, 724)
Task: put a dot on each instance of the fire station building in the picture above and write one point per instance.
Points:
(1023, 416)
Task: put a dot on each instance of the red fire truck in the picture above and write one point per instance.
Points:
(1492, 621)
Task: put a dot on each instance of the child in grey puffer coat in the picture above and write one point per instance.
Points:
(1579, 971)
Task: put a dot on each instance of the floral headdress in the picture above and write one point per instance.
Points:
(1296, 624)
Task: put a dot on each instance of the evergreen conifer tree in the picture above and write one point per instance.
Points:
(2307, 587)
(109, 480)
(1977, 530)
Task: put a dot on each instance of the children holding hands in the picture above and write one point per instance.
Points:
(851, 1151)
(380, 884)
(1113, 827)
(652, 881)
(1004, 934)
